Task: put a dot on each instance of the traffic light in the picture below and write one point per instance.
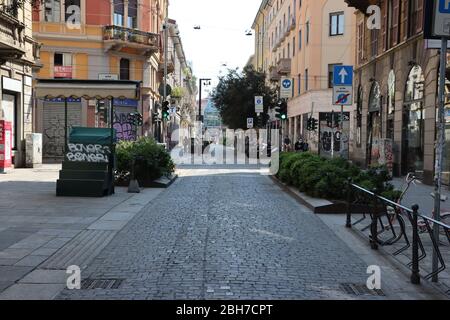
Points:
(313, 124)
(281, 111)
(165, 110)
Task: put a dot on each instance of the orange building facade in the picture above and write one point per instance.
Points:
(98, 40)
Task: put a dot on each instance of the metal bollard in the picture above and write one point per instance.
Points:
(415, 277)
(349, 206)
(374, 224)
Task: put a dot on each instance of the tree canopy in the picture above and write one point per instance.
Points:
(235, 94)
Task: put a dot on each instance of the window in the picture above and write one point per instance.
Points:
(52, 11)
(336, 23)
(119, 13)
(132, 14)
(415, 17)
(390, 106)
(62, 65)
(331, 73)
(293, 47)
(374, 42)
(306, 80)
(300, 39)
(288, 50)
(68, 4)
(360, 43)
(307, 32)
(124, 69)
(299, 85)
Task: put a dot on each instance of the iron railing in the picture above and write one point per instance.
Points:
(405, 234)
(130, 35)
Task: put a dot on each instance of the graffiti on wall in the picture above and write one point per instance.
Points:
(88, 153)
(54, 137)
(125, 126)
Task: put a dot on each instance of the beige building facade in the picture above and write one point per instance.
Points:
(303, 40)
(18, 52)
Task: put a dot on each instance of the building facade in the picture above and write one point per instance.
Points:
(18, 53)
(99, 40)
(396, 80)
(303, 41)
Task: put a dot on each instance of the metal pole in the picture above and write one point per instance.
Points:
(342, 131)
(439, 153)
(166, 55)
(415, 276)
(65, 126)
(332, 134)
(200, 101)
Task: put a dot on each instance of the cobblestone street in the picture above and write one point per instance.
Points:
(225, 234)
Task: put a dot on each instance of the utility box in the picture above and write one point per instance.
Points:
(88, 167)
(33, 150)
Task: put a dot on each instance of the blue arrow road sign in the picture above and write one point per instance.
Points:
(444, 6)
(343, 76)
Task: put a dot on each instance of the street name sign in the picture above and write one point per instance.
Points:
(285, 88)
(259, 104)
(441, 24)
(343, 85)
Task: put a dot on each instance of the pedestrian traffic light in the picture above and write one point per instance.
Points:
(281, 111)
(165, 110)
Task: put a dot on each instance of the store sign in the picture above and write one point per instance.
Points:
(125, 103)
(12, 84)
(108, 76)
(63, 72)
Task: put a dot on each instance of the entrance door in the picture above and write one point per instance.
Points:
(374, 138)
(9, 112)
(413, 139)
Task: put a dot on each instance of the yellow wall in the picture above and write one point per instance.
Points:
(80, 66)
(114, 65)
(138, 72)
(44, 72)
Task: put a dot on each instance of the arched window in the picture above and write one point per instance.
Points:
(390, 106)
(413, 123)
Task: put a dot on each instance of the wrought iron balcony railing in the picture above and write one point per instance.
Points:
(131, 37)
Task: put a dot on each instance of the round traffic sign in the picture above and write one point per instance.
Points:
(287, 83)
(342, 98)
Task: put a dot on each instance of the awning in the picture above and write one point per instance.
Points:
(87, 89)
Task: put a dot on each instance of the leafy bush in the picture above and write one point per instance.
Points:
(328, 178)
(152, 160)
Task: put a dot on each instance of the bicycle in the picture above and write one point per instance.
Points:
(397, 214)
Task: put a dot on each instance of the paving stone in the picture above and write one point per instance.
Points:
(31, 292)
(13, 273)
(31, 261)
(40, 276)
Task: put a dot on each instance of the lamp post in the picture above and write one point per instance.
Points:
(206, 82)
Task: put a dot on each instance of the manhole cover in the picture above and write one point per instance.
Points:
(106, 284)
(359, 290)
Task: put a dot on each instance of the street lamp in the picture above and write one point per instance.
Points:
(206, 82)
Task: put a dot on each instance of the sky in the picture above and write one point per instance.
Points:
(222, 38)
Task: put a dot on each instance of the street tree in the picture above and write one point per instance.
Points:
(235, 94)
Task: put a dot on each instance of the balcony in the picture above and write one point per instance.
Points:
(292, 24)
(115, 38)
(170, 64)
(361, 5)
(273, 74)
(284, 66)
(12, 39)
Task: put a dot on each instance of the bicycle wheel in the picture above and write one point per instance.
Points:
(445, 219)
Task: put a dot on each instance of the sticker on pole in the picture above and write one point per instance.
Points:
(249, 123)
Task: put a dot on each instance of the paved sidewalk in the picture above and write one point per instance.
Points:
(41, 234)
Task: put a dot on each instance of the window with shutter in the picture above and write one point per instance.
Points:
(360, 37)
(404, 20)
(419, 15)
(385, 24)
(395, 22)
